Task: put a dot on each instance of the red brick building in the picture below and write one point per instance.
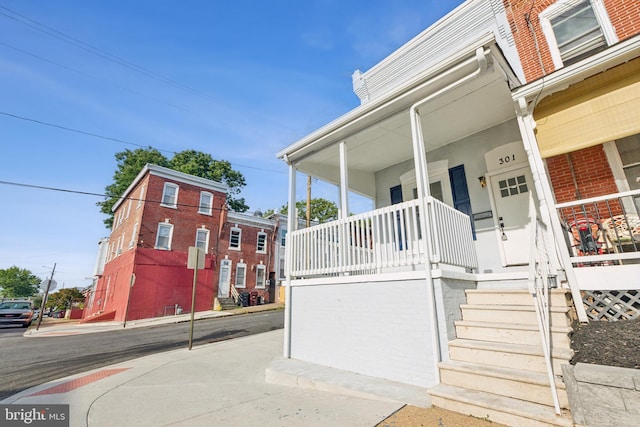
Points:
(581, 62)
(161, 215)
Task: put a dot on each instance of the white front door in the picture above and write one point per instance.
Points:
(512, 193)
(225, 278)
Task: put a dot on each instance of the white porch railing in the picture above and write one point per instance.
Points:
(539, 287)
(603, 230)
(385, 238)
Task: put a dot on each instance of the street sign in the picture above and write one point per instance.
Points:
(195, 255)
(52, 286)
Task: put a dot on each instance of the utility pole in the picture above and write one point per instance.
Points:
(308, 201)
(46, 294)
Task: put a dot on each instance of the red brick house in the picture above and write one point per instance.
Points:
(161, 215)
(579, 118)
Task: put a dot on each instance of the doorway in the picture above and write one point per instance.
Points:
(512, 194)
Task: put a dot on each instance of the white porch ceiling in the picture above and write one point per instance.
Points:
(477, 105)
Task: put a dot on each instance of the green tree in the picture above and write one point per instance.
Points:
(131, 162)
(203, 165)
(62, 299)
(18, 282)
(321, 209)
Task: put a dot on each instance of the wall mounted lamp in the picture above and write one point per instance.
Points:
(483, 181)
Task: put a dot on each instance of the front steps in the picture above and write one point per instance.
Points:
(497, 367)
(221, 304)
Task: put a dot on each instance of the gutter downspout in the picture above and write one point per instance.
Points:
(292, 225)
(422, 178)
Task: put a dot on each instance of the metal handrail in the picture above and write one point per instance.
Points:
(539, 287)
(234, 294)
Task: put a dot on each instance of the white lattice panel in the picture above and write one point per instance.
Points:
(612, 305)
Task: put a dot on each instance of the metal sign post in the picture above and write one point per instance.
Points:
(195, 261)
(51, 285)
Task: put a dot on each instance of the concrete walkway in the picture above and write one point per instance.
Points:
(221, 384)
(240, 382)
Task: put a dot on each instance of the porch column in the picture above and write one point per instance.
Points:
(344, 182)
(527, 124)
(292, 225)
(422, 183)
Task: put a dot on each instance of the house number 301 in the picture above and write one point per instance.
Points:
(507, 159)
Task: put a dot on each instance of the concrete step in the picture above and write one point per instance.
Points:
(558, 297)
(517, 384)
(224, 304)
(500, 409)
(520, 314)
(511, 333)
(514, 356)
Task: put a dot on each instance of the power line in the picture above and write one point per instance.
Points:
(82, 132)
(88, 193)
(109, 138)
(95, 50)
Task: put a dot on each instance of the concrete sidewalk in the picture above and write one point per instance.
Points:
(60, 327)
(220, 384)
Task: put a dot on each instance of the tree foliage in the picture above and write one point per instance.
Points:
(131, 162)
(322, 210)
(62, 299)
(18, 282)
(203, 165)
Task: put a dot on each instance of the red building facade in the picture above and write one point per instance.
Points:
(588, 131)
(161, 215)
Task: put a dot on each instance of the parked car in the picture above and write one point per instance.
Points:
(16, 312)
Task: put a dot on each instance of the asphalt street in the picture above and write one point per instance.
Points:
(27, 362)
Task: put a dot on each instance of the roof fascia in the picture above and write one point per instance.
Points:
(173, 175)
(240, 218)
(323, 135)
(563, 78)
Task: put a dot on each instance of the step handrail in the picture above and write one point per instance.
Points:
(539, 287)
(234, 294)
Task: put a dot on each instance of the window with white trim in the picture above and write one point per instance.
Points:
(261, 244)
(134, 235)
(241, 275)
(576, 29)
(163, 238)
(261, 276)
(283, 237)
(629, 150)
(170, 195)
(235, 238)
(206, 203)
(129, 208)
(140, 197)
(202, 239)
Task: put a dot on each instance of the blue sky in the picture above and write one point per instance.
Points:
(237, 79)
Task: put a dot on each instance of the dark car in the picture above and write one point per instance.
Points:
(16, 312)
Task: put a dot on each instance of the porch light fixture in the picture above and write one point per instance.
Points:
(483, 181)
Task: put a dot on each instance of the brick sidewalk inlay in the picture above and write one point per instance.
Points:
(79, 382)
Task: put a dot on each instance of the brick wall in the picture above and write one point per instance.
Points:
(248, 254)
(593, 177)
(624, 16)
(185, 219)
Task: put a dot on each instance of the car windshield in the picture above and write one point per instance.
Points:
(15, 306)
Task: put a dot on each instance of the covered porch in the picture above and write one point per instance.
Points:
(432, 157)
(454, 201)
